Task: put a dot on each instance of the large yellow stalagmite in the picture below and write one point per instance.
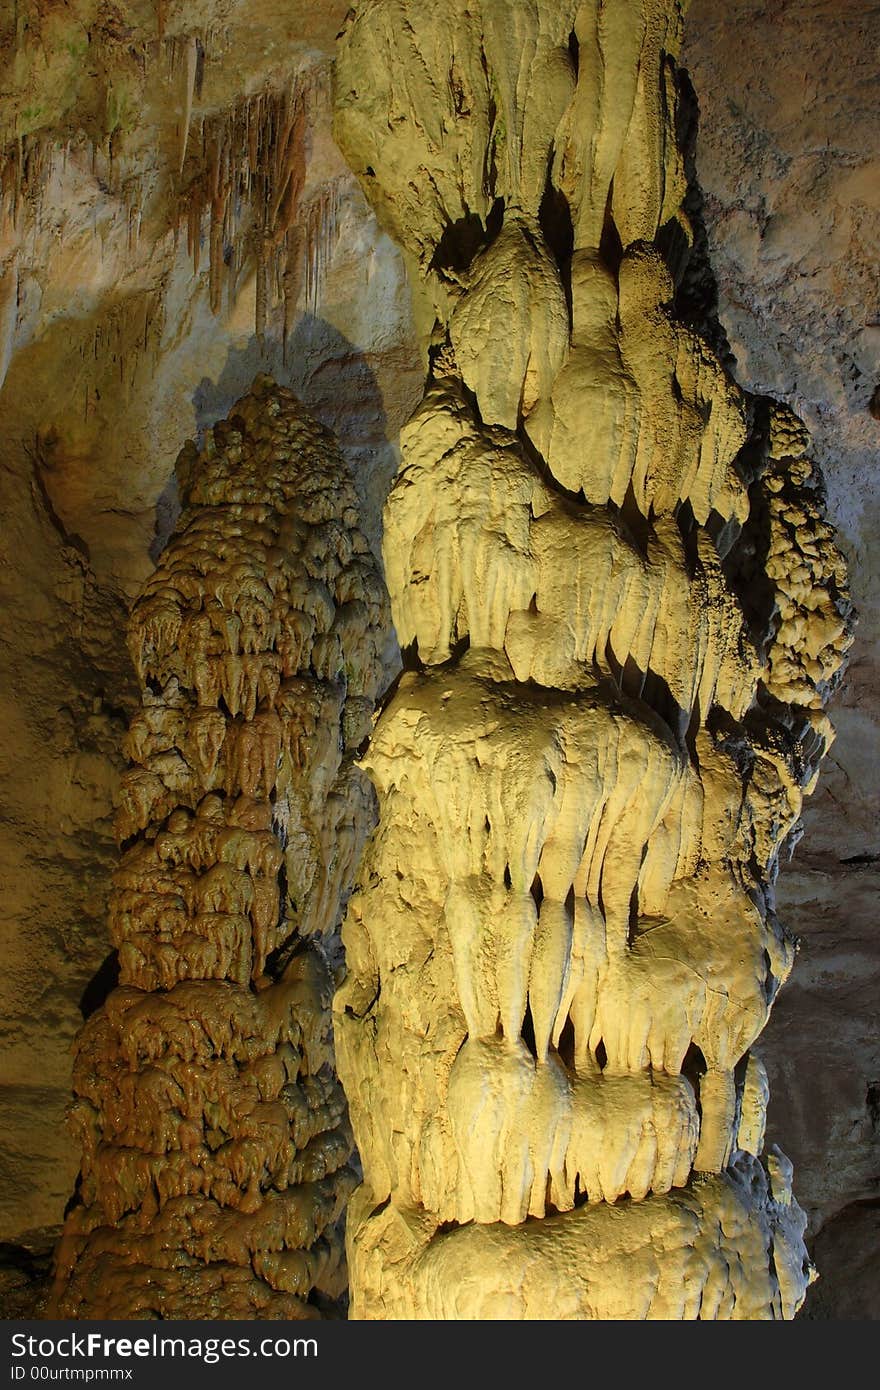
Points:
(623, 616)
(215, 1138)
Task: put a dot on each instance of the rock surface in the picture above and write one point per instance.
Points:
(623, 614)
(114, 358)
(214, 1135)
(789, 161)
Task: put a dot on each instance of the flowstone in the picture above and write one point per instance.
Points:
(623, 615)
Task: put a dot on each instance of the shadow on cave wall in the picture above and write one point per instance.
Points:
(337, 383)
(335, 380)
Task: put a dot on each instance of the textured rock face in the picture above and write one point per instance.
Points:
(789, 160)
(214, 1136)
(63, 694)
(115, 357)
(624, 613)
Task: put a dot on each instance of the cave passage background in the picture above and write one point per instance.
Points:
(113, 355)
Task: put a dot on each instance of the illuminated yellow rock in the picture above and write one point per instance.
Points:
(214, 1133)
(564, 943)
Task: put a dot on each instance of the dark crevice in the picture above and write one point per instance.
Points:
(649, 688)
(693, 1069)
(610, 244)
(744, 569)
(696, 297)
(102, 984)
(724, 531)
(771, 984)
(537, 891)
(691, 733)
(30, 1261)
(613, 664)
(638, 526)
(554, 217)
(632, 681)
(459, 244)
(687, 527)
(528, 1032)
(409, 656)
(565, 1047)
(633, 923)
(75, 1199)
(494, 220)
(673, 244)
(574, 50)
(463, 239)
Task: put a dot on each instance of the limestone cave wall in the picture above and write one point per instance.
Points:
(176, 218)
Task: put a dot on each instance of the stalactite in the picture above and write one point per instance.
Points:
(241, 170)
(24, 167)
(250, 182)
(624, 615)
(320, 233)
(192, 59)
(214, 1136)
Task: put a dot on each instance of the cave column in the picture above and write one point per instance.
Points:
(215, 1140)
(564, 944)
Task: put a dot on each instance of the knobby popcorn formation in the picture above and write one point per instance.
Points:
(215, 1139)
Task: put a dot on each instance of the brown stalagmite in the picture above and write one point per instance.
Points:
(215, 1138)
(624, 615)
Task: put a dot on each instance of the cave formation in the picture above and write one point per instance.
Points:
(452, 949)
(213, 1129)
(565, 944)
